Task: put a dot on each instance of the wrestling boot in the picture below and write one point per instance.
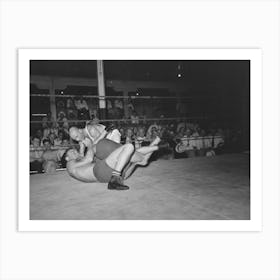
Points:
(115, 183)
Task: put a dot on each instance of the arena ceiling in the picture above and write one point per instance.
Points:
(197, 74)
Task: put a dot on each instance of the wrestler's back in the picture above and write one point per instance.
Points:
(83, 173)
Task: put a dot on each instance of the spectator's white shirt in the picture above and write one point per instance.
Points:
(57, 142)
(134, 119)
(81, 104)
(118, 104)
(35, 154)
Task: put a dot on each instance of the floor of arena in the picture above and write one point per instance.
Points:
(201, 188)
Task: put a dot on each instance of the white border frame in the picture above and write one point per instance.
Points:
(254, 55)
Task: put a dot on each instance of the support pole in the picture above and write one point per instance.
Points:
(101, 89)
(52, 100)
(125, 103)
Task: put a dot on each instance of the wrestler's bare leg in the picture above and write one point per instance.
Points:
(118, 159)
(140, 157)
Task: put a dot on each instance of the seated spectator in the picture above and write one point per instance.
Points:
(62, 113)
(60, 104)
(180, 134)
(59, 138)
(152, 134)
(39, 135)
(46, 120)
(46, 133)
(118, 109)
(63, 148)
(54, 128)
(118, 104)
(123, 136)
(36, 160)
(140, 139)
(60, 116)
(129, 137)
(65, 123)
(70, 104)
(72, 113)
(50, 158)
(180, 126)
(52, 137)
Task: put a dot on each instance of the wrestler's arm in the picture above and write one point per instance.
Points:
(88, 158)
(98, 132)
(82, 148)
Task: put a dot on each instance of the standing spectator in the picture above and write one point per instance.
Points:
(82, 107)
(39, 135)
(46, 120)
(71, 109)
(60, 116)
(61, 109)
(134, 118)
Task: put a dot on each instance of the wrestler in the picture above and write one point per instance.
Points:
(92, 133)
(109, 169)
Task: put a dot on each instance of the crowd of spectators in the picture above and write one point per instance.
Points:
(186, 139)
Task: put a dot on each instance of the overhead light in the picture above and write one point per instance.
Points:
(179, 75)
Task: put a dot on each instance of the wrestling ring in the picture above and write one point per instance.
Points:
(200, 188)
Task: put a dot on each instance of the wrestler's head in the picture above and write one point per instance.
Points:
(76, 134)
(72, 154)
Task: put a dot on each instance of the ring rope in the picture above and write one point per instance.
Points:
(127, 120)
(120, 97)
(55, 148)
